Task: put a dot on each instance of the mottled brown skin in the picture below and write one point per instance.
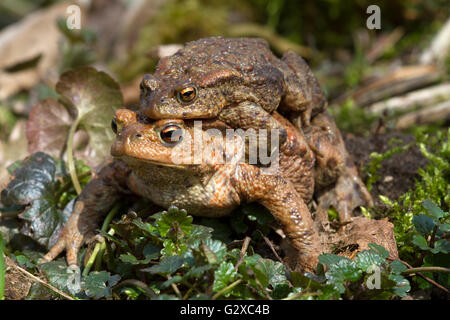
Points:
(146, 166)
(241, 82)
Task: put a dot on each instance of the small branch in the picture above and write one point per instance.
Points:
(243, 251)
(33, 277)
(175, 288)
(424, 277)
(429, 115)
(269, 243)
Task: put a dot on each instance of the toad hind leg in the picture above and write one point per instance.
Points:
(287, 206)
(337, 181)
(96, 199)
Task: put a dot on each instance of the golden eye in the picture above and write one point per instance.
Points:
(171, 134)
(187, 94)
(114, 125)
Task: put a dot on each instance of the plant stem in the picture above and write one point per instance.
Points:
(133, 282)
(426, 269)
(70, 161)
(2, 269)
(98, 260)
(231, 286)
(98, 245)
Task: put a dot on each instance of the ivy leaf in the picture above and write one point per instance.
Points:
(59, 276)
(421, 242)
(35, 185)
(423, 224)
(95, 96)
(166, 266)
(433, 209)
(224, 275)
(98, 284)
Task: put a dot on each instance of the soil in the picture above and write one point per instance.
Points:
(398, 173)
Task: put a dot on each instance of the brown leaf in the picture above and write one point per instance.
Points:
(47, 127)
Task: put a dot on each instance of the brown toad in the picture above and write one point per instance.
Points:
(241, 82)
(158, 160)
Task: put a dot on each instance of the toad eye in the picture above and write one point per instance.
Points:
(114, 125)
(171, 134)
(187, 94)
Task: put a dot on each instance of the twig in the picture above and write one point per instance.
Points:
(175, 288)
(136, 283)
(423, 97)
(428, 115)
(33, 277)
(243, 251)
(439, 48)
(271, 247)
(424, 277)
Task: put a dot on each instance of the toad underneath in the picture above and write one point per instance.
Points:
(157, 160)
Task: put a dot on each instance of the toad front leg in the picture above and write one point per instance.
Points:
(287, 206)
(96, 199)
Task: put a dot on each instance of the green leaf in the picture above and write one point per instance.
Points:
(166, 266)
(380, 250)
(441, 246)
(224, 275)
(304, 281)
(35, 185)
(397, 267)
(273, 270)
(197, 272)
(368, 258)
(169, 282)
(339, 273)
(217, 247)
(59, 276)
(329, 259)
(98, 284)
(433, 209)
(175, 220)
(423, 223)
(95, 96)
(421, 242)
